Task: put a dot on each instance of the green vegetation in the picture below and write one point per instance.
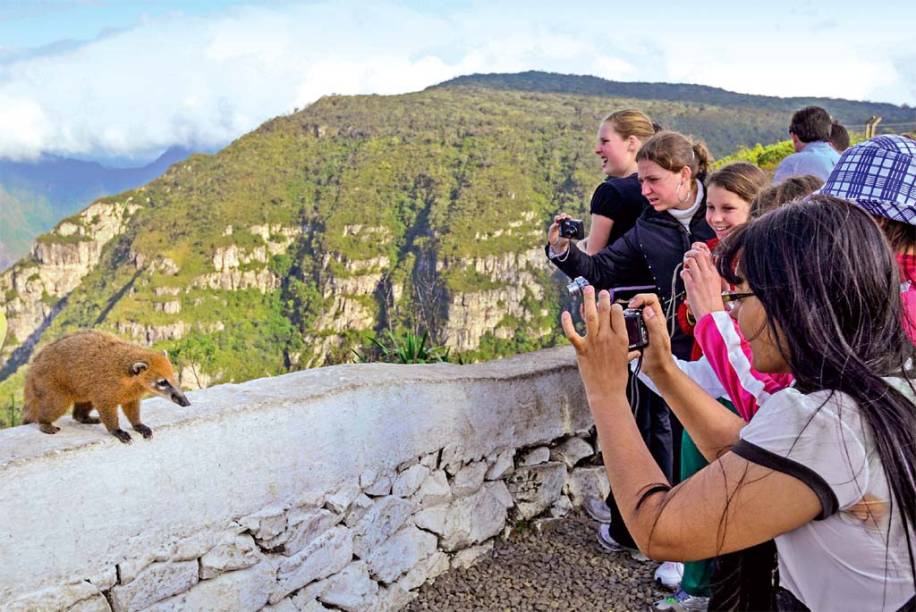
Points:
(405, 347)
(305, 240)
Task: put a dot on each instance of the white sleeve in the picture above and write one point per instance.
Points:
(699, 372)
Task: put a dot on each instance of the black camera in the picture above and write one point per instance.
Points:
(572, 228)
(637, 335)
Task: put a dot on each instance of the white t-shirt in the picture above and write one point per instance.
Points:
(838, 562)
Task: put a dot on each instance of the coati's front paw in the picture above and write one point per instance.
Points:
(122, 435)
(48, 428)
(145, 431)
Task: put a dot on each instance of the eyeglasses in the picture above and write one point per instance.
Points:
(731, 298)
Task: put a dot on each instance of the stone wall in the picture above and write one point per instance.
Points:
(345, 487)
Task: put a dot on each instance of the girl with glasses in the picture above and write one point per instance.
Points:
(844, 435)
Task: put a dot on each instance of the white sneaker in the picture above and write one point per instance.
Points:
(669, 575)
(597, 509)
(682, 602)
(609, 544)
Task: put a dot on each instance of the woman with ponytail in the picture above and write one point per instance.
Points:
(671, 169)
(617, 203)
(827, 467)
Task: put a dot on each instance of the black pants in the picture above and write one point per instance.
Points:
(661, 431)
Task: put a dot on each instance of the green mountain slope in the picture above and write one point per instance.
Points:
(285, 250)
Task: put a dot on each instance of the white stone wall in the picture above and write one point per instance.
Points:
(344, 487)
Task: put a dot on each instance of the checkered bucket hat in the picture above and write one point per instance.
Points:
(880, 176)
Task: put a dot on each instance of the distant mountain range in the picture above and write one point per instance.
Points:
(34, 196)
(359, 214)
(849, 112)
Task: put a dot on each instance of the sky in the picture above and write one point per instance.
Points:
(126, 79)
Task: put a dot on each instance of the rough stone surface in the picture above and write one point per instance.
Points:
(561, 569)
(238, 553)
(358, 509)
(501, 465)
(536, 487)
(572, 451)
(466, 558)
(428, 569)
(535, 456)
(561, 507)
(380, 487)
(410, 480)
(266, 524)
(323, 557)
(305, 526)
(435, 490)
(155, 583)
(54, 598)
(246, 589)
(96, 603)
(340, 500)
(587, 482)
(350, 589)
(379, 523)
(469, 479)
(400, 553)
(269, 442)
(471, 520)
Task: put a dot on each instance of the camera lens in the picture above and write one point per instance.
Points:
(575, 287)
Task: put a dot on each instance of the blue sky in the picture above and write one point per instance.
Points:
(125, 78)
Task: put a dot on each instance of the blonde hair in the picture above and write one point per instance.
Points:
(743, 179)
(674, 151)
(632, 122)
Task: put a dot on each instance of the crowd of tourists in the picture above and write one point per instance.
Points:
(763, 444)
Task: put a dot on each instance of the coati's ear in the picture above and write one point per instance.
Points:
(138, 367)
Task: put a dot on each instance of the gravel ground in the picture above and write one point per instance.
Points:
(560, 569)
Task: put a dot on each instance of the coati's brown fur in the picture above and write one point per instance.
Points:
(90, 369)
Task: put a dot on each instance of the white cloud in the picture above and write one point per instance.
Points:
(176, 79)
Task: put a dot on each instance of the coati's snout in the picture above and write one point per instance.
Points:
(161, 385)
(179, 398)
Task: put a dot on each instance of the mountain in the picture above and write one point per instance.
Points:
(288, 248)
(851, 113)
(36, 195)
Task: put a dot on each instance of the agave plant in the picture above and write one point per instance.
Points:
(404, 347)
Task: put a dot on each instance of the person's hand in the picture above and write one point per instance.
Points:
(702, 282)
(602, 353)
(656, 357)
(557, 242)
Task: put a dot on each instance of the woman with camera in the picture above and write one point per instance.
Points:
(819, 457)
(671, 169)
(617, 202)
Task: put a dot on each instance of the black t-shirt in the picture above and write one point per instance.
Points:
(621, 200)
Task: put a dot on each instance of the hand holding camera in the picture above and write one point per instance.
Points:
(602, 352)
(563, 229)
(656, 355)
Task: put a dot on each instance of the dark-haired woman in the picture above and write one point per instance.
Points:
(818, 457)
(671, 169)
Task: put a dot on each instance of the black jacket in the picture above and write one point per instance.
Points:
(650, 253)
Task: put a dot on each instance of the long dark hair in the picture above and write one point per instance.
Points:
(829, 284)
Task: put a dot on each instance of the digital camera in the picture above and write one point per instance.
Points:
(572, 228)
(637, 335)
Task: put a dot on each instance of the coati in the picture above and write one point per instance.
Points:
(90, 369)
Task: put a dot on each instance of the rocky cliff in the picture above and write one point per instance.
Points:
(295, 244)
